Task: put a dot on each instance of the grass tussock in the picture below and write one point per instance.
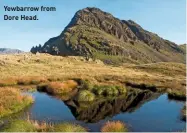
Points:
(67, 127)
(11, 101)
(114, 126)
(86, 96)
(58, 87)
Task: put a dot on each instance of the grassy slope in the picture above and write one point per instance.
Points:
(109, 48)
(165, 75)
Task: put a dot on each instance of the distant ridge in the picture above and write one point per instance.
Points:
(96, 34)
(10, 51)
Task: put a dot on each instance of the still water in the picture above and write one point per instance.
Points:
(154, 114)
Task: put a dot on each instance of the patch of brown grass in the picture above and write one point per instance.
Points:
(31, 80)
(25, 80)
(114, 126)
(61, 87)
(8, 82)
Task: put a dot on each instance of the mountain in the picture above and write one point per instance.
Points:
(96, 34)
(10, 51)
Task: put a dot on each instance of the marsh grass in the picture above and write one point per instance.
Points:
(19, 126)
(39, 126)
(155, 76)
(35, 126)
(27, 125)
(12, 101)
(114, 126)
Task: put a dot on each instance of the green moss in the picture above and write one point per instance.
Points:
(68, 127)
(86, 96)
(19, 126)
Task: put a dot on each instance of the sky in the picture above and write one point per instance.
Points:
(167, 18)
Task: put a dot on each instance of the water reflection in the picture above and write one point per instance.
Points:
(141, 110)
(94, 112)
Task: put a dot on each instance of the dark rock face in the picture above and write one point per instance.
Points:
(97, 34)
(10, 51)
(94, 17)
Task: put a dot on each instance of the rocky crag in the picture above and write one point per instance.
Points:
(96, 34)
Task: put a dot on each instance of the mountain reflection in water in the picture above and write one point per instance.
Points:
(94, 112)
